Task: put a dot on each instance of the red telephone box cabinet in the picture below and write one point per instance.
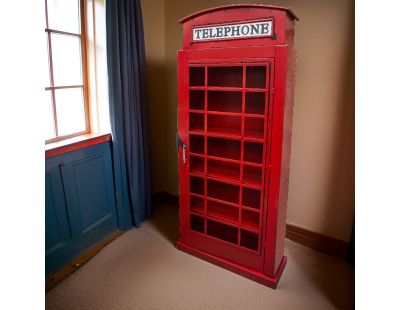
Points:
(236, 81)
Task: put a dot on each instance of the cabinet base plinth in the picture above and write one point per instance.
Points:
(248, 273)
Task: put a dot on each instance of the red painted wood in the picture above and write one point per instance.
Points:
(239, 269)
(75, 144)
(232, 14)
(235, 104)
(225, 7)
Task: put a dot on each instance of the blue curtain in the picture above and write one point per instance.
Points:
(128, 111)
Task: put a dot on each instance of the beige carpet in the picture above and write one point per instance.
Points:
(142, 269)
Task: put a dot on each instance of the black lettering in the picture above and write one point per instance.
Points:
(226, 31)
(247, 30)
(205, 33)
(211, 33)
(265, 28)
(197, 31)
(219, 32)
(235, 31)
(254, 29)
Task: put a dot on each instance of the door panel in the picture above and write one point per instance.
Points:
(93, 201)
(58, 234)
(80, 203)
(224, 109)
(89, 189)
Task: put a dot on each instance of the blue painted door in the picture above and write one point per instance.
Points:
(87, 212)
(58, 242)
(89, 191)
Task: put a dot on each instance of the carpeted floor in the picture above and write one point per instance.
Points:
(142, 269)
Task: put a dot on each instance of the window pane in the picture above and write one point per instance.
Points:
(66, 52)
(70, 111)
(64, 15)
(49, 117)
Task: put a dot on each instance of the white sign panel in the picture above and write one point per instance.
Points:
(235, 31)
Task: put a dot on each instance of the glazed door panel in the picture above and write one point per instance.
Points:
(224, 110)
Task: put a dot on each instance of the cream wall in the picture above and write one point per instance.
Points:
(321, 190)
(153, 12)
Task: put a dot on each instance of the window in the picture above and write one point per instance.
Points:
(67, 84)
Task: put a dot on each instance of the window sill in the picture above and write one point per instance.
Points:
(76, 143)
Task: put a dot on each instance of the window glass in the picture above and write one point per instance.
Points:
(65, 86)
(63, 15)
(70, 111)
(66, 51)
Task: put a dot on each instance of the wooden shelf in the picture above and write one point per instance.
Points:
(230, 88)
(226, 159)
(228, 135)
(223, 212)
(239, 114)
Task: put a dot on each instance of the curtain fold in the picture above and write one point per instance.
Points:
(128, 111)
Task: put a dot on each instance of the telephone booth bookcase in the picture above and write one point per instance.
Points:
(235, 105)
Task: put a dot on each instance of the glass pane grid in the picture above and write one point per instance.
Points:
(65, 86)
(230, 150)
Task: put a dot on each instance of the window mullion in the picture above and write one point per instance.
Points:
(65, 86)
(63, 32)
(53, 95)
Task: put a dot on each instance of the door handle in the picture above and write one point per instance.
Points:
(183, 145)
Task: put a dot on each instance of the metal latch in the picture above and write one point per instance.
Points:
(180, 143)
